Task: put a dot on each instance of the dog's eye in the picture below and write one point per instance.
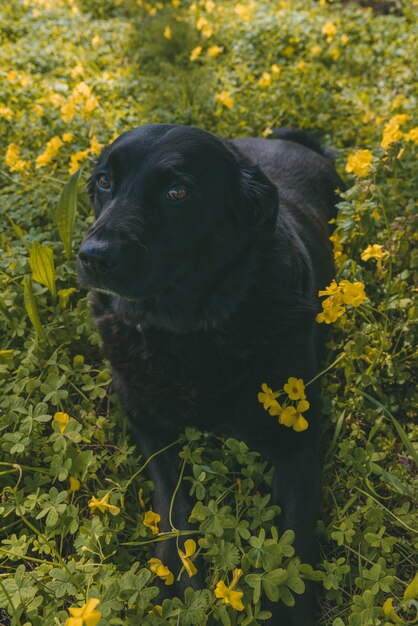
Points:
(177, 193)
(103, 182)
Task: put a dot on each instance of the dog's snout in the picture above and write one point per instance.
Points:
(97, 257)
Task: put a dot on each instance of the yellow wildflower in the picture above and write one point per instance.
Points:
(195, 53)
(50, 152)
(411, 592)
(75, 160)
(151, 520)
(292, 418)
(344, 39)
(225, 98)
(316, 50)
(85, 615)
(267, 396)
(228, 594)
(190, 549)
(95, 40)
(265, 80)
(353, 293)
(391, 133)
(67, 137)
(168, 33)
(359, 163)
(95, 146)
(68, 110)
(412, 135)
(6, 112)
(161, 570)
(389, 612)
(329, 30)
(374, 251)
(213, 51)
(244, 11)
(330, 313)
(62, 419)
(74, 484)
(103, 505)
(209, 6)
(13, 160)
(275, 69)
(77, 70)
(295, 388)
(275, 408)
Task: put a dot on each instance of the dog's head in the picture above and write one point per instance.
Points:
(180, 218)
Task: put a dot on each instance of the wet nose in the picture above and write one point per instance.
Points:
(96, 256)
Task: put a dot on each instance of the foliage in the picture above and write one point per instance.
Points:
(85, 71)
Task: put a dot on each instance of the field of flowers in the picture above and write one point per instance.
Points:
(76, 526)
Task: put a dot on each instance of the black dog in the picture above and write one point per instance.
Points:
(205, 262)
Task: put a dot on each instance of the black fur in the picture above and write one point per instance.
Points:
(201, 300)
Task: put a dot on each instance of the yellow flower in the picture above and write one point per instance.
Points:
(359, 163)
(389, 611)
(244, 11)
(75, 160)
(13, 160)
(391, 133)
(6, 112)
(190, 549)
(85, 615)
(213, 51)
(161, 570)
(316, 50)
(195, 53)
(74, 484)
(265, 80)
(95, 146)
(67, 137)
(412, 135)
(293, 418)
(103, 505)
(51, 151)
(168, 33)
(330, 314)
(353, 293)
(411, 592)
(151, 520)
(275, 408)
(275, 69)
(329, 30)
(228, 595)
(209, 6)
(287, 416)
(267, 396)
(295, 388)
(374, 251)
(62, 419)
(344, 39)
(302, 406)
(225, 98)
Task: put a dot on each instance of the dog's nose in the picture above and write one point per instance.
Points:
(96, 256)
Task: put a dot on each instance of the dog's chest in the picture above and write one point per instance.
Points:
(176, 380)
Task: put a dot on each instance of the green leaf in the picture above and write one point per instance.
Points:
(31, 307)
(41, 261)
(66, 211)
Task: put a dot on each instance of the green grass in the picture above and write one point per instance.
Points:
(83, 72)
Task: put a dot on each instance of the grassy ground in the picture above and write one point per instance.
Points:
(77, 73)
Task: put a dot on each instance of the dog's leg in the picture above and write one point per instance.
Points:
(296, 489)
(171, 502)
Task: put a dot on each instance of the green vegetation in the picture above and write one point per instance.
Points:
(74, 492)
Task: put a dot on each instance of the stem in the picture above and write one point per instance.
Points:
(337, 360)
(141, 469)
(173, 497)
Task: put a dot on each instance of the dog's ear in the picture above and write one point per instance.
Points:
(259, 198)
